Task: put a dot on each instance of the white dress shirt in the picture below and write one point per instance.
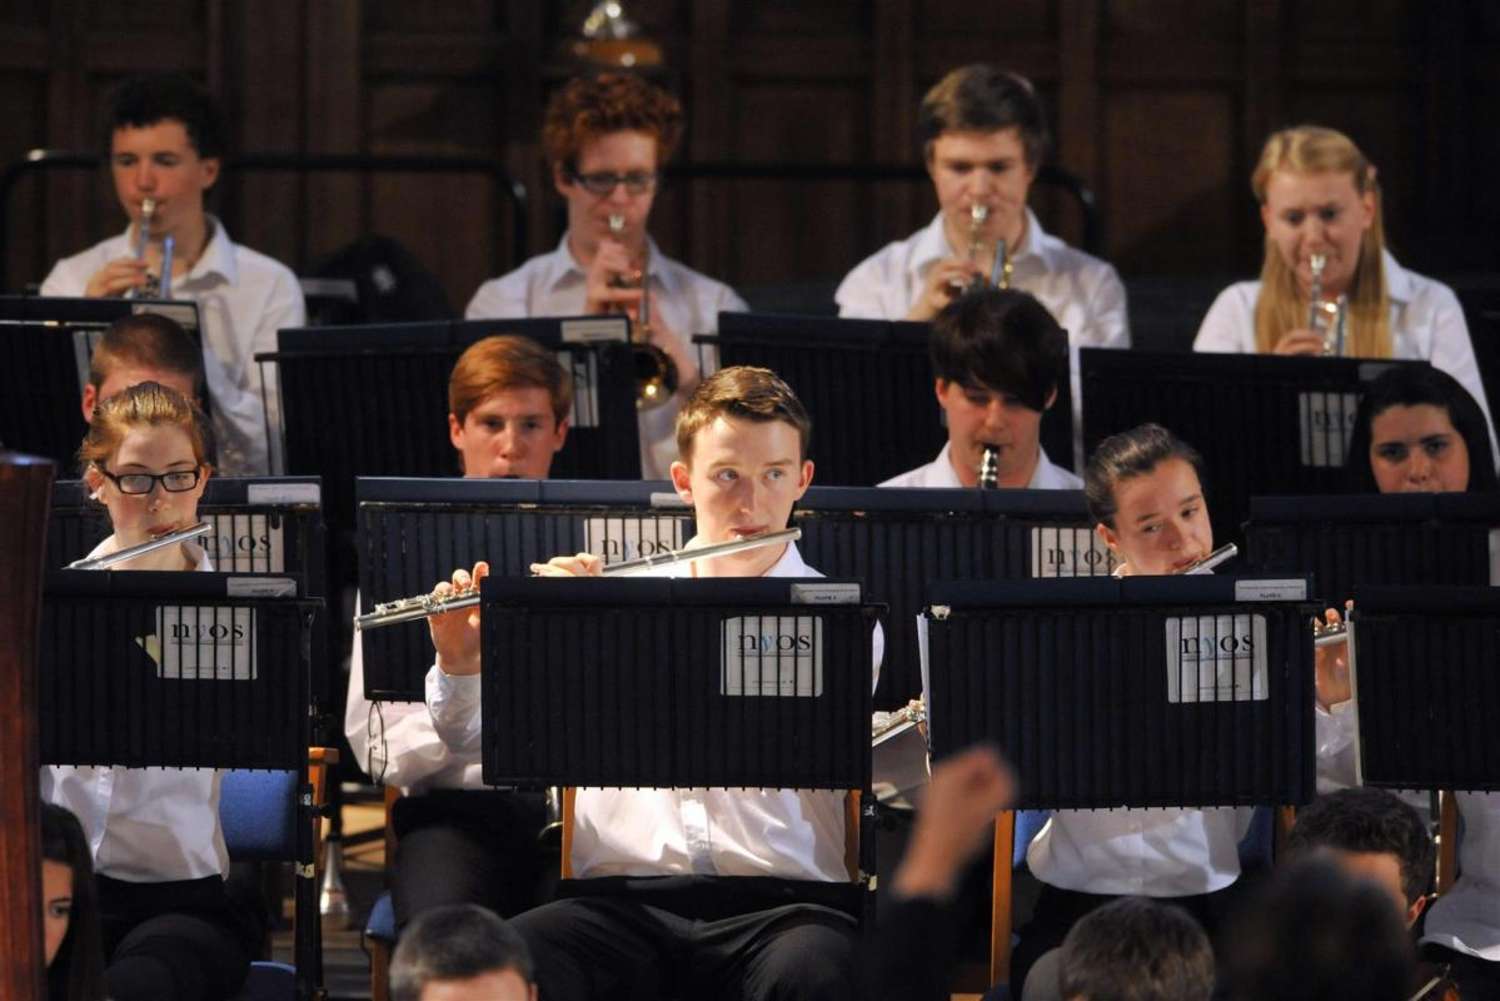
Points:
(787, 834)
(554, 284)
(1083, 293)
(1467, 917)
(243, 298)
(1427, 324)
(940, 473)
(145, 825)
(396, 743)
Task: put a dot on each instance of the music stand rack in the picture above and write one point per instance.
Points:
(1264, 424)
(45, 347)
(680, 683)
(1427, 692)
(150, 669)
(413, 533)
(898, 539)
(1133, 692)
(1348, 542)
(868, 386)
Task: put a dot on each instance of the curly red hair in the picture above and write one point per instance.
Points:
(589, 107)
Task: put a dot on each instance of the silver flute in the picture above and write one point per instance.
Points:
(1228, 551)
(141, 548)
(422, 606)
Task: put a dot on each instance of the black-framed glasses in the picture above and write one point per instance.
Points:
(603, 182)
(174, 482)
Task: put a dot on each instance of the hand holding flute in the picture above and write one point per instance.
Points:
(455, 634)
(1331, 658)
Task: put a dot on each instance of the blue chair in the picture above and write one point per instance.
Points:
(380, 933)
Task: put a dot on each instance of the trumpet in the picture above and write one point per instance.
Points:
(656, 375)
(1325, 634)
(142, 240)
(141, 548)
(1000, 272)
(1324, 315)
(422, 606)
(989, 468)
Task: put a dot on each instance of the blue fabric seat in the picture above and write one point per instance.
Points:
(382, 923)
(258, 810)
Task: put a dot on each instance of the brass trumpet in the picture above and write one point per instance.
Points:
(656, 375)
(989, 468)
(142, 239)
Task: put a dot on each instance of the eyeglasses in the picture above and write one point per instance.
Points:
(174, 482)
(602, 183)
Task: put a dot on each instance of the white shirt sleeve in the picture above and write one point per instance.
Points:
(867, 292)
(453, 705)
(1453, 350)
(1108, 323)
(1337, 730)
(1229, 325)
(499, 298)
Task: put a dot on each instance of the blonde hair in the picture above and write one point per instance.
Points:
(746, 392)
(146, 404)
(1311, 149)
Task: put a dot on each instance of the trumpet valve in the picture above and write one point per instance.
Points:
(989, 468)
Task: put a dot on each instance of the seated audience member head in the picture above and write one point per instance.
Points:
(606, 138)
(1136, 949)
(1373, 835)
(509, 401)
(461, 952)
(1318, 194)
(145, 458)
(166, 136)
(1313, 933)
(70, 910)
(998, 357)
(742, 441)
(146, 347)
(1418, 431)
(984, 135)
(1145, 494)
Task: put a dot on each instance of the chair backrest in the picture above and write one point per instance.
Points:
(259, 812)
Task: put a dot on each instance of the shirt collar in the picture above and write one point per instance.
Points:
(932, 245)
(789, 565)
(217, 257)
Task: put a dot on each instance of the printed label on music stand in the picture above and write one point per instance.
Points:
(771, 655)
(247, 543)
(620, 539)
(203, 643)
(1327, 423)
(584, 366)
(1069, 551)
(1216, 658)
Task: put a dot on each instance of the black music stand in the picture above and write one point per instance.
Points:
(1102, 693)
(663, 684)
(186, 670)
(1375, 539)
(45, 346)
(1263, 424)
(413, 533)
(898, 539)
(1426, 687)
(868, 386)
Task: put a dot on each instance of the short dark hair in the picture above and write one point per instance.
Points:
(147, 340)
(1411, 386)
(455, 942)
(1368, 820)
(142, 101)
(1136, 949)
(1130, 453)
(1314, 933)
(1003, 339)
(984, 98)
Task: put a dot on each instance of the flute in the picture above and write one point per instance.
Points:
(1228, 551)
(422, 606)
(141, 548)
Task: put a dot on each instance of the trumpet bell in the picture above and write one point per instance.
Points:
(656, 377)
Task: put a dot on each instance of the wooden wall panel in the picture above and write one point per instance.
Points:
(1161, 105)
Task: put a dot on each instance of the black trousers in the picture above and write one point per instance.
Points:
(468, 847)
(1057, 910)
(689, 937)
(1477, 979)
(180, 941)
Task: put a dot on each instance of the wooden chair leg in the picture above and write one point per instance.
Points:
(1447, 862)
(1286, 816)
(1000, 897)
(569, 797)
(380, 971)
